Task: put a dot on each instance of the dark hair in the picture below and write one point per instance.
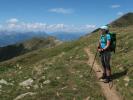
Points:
(107, 31)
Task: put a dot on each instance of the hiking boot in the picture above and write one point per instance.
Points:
(107, 80)
(103, 76)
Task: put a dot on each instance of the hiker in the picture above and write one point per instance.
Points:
(105, 53)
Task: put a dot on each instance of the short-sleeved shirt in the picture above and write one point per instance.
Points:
(104, 39)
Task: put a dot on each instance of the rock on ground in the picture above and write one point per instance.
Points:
(2, 81)
(27, 82)
(23, 95)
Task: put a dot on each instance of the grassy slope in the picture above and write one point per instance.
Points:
(63, 65)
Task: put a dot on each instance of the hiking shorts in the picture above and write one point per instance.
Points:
(105, 59)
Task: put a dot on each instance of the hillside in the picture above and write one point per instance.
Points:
(123, 21)
(62, 72)
(52, 73)
(35, 43)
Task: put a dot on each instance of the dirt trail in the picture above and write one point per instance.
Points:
(110, 94)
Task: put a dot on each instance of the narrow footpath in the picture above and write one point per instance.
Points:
(110, 93)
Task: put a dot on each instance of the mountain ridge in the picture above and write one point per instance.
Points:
(123, 21)
(32, 44)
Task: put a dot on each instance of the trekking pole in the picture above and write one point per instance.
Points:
(94, 61)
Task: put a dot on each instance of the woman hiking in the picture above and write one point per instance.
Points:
(105, 53)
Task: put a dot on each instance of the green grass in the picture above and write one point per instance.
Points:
(66, 68)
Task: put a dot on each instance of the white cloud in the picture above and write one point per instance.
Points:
(12, 20)
(90, 26)
(16, 25)
(61, 10)
(115, 6)
(120, 13)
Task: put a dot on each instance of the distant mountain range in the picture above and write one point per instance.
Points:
(67, 36)
(8, 38)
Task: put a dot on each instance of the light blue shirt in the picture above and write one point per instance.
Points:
(104, 39)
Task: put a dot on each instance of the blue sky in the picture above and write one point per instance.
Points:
(60, 15)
